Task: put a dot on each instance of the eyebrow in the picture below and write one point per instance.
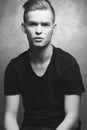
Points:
(36, 23)
(32, 23)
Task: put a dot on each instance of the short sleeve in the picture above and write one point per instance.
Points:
(72, 79)
(11, 84)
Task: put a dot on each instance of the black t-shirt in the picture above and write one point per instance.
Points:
(43, 97)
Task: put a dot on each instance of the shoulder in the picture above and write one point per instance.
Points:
(20, 57)
(64, 57)
(62, 53)
(65, 61)
(19, 61)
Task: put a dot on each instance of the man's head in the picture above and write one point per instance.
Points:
(39, 22)
(33, 5)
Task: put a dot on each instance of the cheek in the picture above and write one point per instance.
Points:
(49, 33)
(30, 32)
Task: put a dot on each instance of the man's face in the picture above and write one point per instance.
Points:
(39, 27)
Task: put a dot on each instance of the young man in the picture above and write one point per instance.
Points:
(48, 78)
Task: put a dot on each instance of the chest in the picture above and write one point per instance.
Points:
(40, 84)
(43, 79)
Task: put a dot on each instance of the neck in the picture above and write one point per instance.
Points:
(40, 55)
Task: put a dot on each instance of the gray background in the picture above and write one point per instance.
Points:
(70, 35)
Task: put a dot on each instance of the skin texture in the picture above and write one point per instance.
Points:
(39, 25)
(72, 104)
(12, 105)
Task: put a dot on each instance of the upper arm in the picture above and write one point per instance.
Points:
(72, 104)
(11, 109)
(12, 104)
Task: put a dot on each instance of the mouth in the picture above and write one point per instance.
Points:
(38, 39)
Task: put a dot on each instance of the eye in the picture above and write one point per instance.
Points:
(45, 24)
(32, 24)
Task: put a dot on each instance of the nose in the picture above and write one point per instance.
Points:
(38, 30)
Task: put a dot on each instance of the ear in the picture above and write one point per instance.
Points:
(54, 27)
(23, 28)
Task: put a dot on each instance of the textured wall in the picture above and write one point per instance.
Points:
(70, 35)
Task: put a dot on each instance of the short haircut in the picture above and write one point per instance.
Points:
(32, 5)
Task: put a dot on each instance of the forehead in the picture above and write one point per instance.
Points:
(40, 16)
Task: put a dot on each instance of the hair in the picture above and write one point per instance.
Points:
(32, 5)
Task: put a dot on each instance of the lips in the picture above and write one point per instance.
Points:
(38, 39)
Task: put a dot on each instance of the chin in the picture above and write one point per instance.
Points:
(42, 45)
(39, 45)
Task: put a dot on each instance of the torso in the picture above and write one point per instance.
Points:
(43, 97)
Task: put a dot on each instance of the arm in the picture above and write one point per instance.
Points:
(72, 103)
(10, 120)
